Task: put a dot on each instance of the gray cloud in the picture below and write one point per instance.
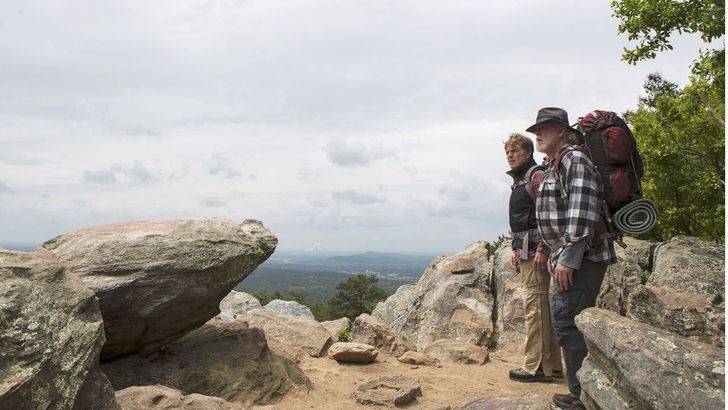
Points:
(212, 201)
(220, 166)
(4, 188)
(135, 174)
(356, 198)
(352, 154)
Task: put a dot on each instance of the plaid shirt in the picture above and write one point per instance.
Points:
(568, 220)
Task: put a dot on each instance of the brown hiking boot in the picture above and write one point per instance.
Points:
(521, 375)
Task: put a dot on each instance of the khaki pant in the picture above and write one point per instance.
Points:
(541, 347)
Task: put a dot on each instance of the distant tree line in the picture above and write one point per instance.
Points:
(354, 296)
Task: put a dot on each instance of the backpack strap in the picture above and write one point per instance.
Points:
(557, 161)
(527, 180)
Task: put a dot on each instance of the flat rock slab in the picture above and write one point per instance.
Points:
(353, 352)
(533, 402)
(418, 358)
(639, 366)
(394, 390)
(51, 334)
(158, 280)
(158, 397)
(457, 352)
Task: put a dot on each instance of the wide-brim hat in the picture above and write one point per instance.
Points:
(553, 115)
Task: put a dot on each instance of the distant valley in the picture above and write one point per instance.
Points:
(318, 275)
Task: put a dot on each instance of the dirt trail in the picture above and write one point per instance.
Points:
(449, 385)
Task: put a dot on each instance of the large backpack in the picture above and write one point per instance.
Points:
(613, 150)
(608, 141)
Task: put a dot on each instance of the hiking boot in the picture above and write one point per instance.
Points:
(558, 374)
(521, 375)
(563, 401)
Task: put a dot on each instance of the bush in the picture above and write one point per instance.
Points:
(344, 335)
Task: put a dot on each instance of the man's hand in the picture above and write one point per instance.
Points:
(516, 259)
(540, 261)
(564, 277)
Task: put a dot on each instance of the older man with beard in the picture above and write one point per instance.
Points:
(542, 354)
(568, 215)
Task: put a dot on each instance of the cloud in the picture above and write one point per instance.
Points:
(351, 154)
(4, 188)
(308, 174)
(356, 198)
(221, 166)
(135, 174)
(212, 201)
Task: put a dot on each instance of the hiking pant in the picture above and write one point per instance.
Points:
(565, 306)
(541, 347)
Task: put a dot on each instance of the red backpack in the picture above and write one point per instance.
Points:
(613, 150)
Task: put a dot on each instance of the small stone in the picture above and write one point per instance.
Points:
(353, 352)
(457, 352)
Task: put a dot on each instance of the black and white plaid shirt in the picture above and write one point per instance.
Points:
(568, 219)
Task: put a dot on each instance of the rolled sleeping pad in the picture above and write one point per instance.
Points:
(636, 217)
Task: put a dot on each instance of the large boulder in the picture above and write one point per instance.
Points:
(452, 300)
(396, 304)
(164, 398)
(370, 331)
(685, 293)
(228, 360)
(237, 303)
(634, 365)
(621, 278)
(510, 311)
(51, 334)
(288, 336)
(158, 280)
(289, 308)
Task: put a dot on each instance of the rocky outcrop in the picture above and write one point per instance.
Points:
(335, 326)
(685, 293)
(396, 304)
(452, 300)
(289, 308)
(449, 351)
(533, 402)
(370, 331)
(510, 311)
(228, 360)
(353, 352)
(634, 365)
(158, 280)
(395, 390)
(51, 334)
(418, 359)
(291, 337)
(633, 264)
(236, 304)
(159, 397)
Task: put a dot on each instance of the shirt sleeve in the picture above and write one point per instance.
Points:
(535, 183)
(583, 210)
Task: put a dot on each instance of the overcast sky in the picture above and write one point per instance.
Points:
(342, 125)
